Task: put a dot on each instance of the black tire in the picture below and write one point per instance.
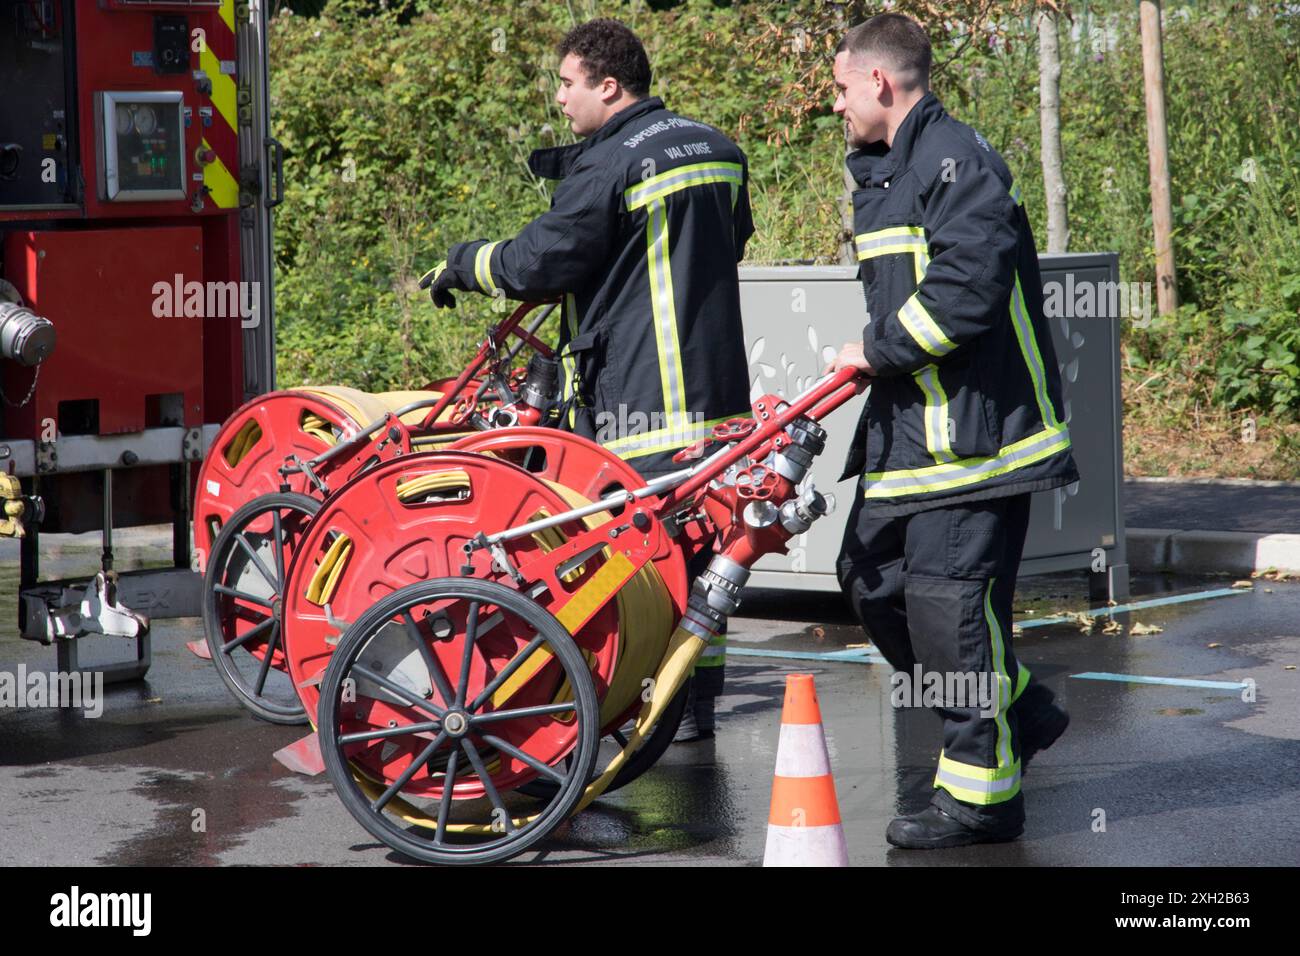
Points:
(642, 759)
(426, 844)
(280, 705)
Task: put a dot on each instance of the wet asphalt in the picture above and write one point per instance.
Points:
(1147, 774)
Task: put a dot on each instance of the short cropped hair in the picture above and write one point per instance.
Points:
(897, 40)
(608, 48)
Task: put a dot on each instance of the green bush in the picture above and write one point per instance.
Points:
(406, 132)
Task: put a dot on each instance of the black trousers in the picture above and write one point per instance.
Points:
(934, 592)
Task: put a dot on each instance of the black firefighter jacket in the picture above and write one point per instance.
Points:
(966, 403)
(646, 226)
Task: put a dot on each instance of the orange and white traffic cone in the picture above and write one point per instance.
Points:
(803, 826)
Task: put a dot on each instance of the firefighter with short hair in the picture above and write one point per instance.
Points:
(964, 422)
(647, 223)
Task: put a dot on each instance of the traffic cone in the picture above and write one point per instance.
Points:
(803, 825)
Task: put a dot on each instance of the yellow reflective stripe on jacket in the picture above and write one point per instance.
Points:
(891, 241)
(664, 439)
(1015, 193)
(567, 360)
(671, 377)
(483, 267)
(979, 785)
(697, 174)
(937, 440)
(1022, 681)
(1001, 677)
(922, 327)
(1029, 350)
(968, 471)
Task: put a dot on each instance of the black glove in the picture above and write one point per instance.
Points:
(440, 281)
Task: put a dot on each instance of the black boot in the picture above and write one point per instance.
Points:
(1040, 721)
(932, 829)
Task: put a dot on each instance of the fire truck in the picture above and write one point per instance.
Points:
(137, 182)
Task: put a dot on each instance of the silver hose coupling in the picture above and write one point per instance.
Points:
(798, 514)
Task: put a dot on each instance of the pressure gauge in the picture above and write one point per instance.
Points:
(123, 120)
(146, 120)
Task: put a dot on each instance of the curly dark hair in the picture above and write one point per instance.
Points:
(608, 48)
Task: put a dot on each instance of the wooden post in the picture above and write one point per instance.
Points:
(1153, 72)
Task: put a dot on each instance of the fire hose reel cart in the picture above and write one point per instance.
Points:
(278, 457)
(463, 628)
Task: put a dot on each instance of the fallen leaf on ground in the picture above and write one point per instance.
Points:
(1113, 627)
(1213, 645)
(1243, 584)
(868, 644)
(1140, 629)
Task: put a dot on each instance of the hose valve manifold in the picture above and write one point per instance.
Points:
(715, 595)
(807, 441)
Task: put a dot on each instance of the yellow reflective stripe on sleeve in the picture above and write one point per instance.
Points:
(979, 785)
(664, 439)
(1015, 194)
(1003, 680)
(483, 267)
(922, 327)
(968, 471)
(936, 414)
(1029, 351)
(698, 174)
(671, 377)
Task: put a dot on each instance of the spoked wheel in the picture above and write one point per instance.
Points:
(642, 759)
(439, 702)
(242, 602)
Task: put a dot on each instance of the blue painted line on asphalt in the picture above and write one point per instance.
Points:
(1136, 605)
(1174, 681)
(863, 655)
(853, 655)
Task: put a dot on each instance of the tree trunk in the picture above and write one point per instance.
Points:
(1153, 74)
(1049, 102)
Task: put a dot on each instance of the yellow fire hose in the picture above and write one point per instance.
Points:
(362, 407)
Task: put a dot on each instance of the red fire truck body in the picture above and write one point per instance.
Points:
(135, 306)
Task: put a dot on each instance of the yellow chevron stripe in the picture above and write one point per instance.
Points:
(223, 87)
(228, 14)
(223, 188)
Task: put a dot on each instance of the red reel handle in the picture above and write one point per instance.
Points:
(495, 336)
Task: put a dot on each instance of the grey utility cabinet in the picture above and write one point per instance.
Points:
(797, 317)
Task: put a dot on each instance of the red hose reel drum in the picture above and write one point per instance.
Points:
(407, 521)
(245, 458)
